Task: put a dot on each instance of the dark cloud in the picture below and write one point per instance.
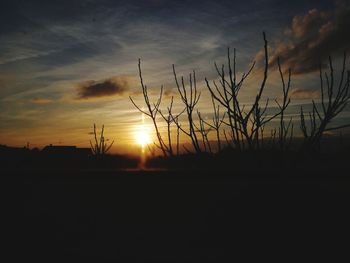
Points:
(113, 86)
(312, 37)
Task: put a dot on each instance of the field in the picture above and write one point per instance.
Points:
(164, 216)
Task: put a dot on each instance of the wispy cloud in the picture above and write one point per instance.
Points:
(41, 101)
(304, 94)
(117, 85)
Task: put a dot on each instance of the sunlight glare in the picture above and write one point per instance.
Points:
(142, 137)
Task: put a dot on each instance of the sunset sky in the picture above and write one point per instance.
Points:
(65, 65)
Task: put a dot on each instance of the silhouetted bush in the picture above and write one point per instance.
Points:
(245, 127)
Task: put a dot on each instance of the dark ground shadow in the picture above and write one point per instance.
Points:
(164, 216)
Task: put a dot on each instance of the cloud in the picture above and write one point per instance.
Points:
(304, 94)
(41, 101)
(302, 26)
(312, 37)
(117, 85)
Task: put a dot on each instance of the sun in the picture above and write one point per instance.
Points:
(142, 137)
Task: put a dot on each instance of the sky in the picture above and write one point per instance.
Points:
(65, 65)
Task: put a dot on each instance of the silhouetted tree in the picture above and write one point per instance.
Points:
(333, 101)
(152, 111)
(204, 133)
(217, 121)
(284, 129)
(246, 124)
(169, 119)
(189, 97)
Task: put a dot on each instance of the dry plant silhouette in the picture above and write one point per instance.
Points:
(333, 101)
(100, 146)
(189, 97)
(152, 112)
(217, 121)
(245, 127)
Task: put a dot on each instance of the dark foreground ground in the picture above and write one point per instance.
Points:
(159, 216)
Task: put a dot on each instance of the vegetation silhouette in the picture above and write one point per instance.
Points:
(100, 147)
(333, 102)
(245, 127)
